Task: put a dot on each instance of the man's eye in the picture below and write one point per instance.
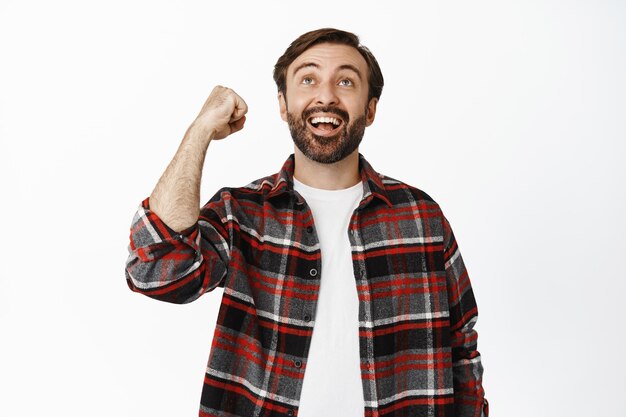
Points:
(307, 80)
(345, 82)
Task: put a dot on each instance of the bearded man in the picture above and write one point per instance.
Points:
(344, 290)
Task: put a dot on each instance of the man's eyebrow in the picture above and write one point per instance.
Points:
(305, 65)
(351, 68)
(341, 67)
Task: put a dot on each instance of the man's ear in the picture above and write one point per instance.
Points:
(371, 111)
(282, 104)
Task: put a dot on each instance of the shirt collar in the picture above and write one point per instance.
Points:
(373, 185)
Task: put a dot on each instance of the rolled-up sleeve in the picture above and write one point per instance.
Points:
(469, 395)
(177, 267)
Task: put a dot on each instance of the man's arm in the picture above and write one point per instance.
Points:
(176, 197)
(469, 395)
(174, 255)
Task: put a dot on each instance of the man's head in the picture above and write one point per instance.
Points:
(328, 88)
(329, 35)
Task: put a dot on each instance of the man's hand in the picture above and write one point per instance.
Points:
(223, 113)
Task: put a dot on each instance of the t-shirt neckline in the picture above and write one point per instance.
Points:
(321, 193)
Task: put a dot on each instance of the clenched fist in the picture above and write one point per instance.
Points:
(223, 113)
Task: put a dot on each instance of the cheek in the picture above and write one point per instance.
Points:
(295, 109)
(354, 103)
(298, 100)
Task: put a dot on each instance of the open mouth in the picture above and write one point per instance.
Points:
(325, 126)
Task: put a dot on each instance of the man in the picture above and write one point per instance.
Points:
(345, 293)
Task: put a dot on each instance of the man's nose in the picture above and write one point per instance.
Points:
(327, 95)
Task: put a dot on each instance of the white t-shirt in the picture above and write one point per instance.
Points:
(332, 379)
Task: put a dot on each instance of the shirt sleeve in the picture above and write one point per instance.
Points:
(177, 267)
(469, 395)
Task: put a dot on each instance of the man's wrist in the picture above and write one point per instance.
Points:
(201, 132)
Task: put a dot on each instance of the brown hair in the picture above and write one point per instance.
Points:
(329, 35)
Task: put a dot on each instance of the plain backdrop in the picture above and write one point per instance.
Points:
(511, 115)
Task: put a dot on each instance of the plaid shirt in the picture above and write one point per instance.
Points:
(258, 242)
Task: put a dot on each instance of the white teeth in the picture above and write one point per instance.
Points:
(325, 120)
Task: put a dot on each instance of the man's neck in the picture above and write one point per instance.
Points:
(335, 176)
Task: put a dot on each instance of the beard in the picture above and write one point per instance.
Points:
(326, 149)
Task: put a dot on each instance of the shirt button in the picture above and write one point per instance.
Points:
(313, 272)
(297, 364)
(362, 273)
(307, 318)
(290, 412)
(309, 229)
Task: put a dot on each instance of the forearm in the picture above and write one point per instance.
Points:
(176, 197)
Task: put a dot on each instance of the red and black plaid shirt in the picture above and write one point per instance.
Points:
(416, 306)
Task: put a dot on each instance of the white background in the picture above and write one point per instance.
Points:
(511, 115)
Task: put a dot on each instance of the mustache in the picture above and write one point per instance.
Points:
(326, 109)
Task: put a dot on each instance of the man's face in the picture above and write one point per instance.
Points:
(326, 103)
